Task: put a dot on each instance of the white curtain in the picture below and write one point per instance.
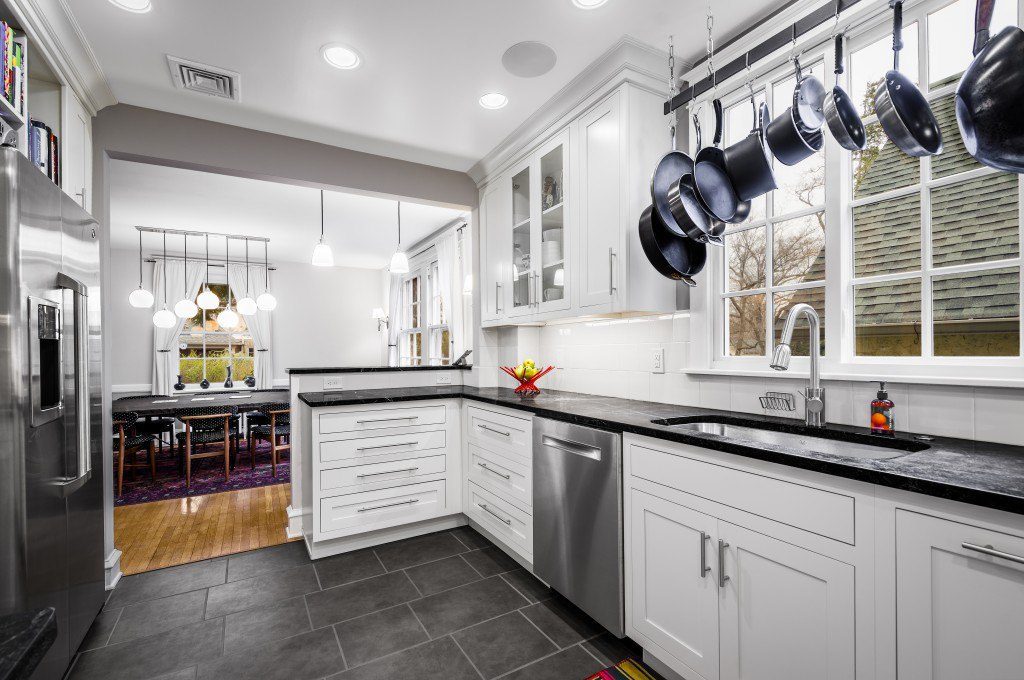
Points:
(394, 310)
(165, 340)
(448, 273)
(258, 323)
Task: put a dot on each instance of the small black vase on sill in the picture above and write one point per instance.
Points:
(229, 383)
(204, 384)
(179, 386)
(250, 381)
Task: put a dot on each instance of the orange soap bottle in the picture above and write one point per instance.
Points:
(882, 420)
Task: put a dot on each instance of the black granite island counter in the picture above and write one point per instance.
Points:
(980, 473)
(308, 370)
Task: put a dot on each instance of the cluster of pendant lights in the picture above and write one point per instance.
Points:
(185, 308)
(323, 257)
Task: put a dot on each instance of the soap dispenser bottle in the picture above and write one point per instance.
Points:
(882, 421)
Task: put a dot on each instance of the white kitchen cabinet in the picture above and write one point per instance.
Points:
(785, 612)
(959, 608)
(76, 145)
(495, 243)
(674, 599)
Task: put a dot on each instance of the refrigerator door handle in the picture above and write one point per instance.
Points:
(83, 459)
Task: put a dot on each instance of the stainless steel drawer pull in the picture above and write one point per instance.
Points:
(493, 471)
(572, 447)
(722, 578)
(389, 505)
(989, 550)
(387, 472)
(386, 420)
(491, 429)
(386, 446)
(490, 512)
(704, 568)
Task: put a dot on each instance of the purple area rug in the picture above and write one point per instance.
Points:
(207, 477)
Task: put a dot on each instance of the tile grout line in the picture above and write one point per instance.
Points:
(452, 637)
(340, 648)
(308, 614)
(584, 648)
(513, 587)
(548, 637)
(463, 556)
(464, 544)
(417, 617)
(418, 591)
(110, 635)
(530, 663)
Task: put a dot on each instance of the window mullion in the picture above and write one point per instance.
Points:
(927, 308)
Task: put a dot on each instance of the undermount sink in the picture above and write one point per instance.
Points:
(830, 442)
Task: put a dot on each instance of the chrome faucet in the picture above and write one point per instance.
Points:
(814, 395)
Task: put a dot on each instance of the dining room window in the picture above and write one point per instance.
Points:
(410, 340)
(425, 336)
(440, 334)
(205, 350)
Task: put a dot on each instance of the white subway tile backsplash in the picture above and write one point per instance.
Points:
(716, 391)
(999, 415)
(675, 388)
(744, 394)
(943, 410)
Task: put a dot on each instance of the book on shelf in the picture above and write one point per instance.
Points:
(14, 68)
(44, 150)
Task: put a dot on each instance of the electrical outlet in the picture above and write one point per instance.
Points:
(332, 384)
(658, 360)
(444, 379)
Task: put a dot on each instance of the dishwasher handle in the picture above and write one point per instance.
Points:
(570, 446)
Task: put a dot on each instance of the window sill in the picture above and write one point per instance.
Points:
(881, 373)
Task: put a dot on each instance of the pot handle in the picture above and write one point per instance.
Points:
(839, 55)
(717, 104)
(897, 32)
(982, 20)
(696, 128)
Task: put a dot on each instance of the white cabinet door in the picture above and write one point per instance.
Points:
(554, 225)
(523, 240)
(602, 210)
(785, 612)
(77, 148)
(674, 599)
(496, 213)
(959, 609)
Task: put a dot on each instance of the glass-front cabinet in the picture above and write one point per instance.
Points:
(540, 208)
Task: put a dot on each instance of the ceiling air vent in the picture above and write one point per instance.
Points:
(204, 79)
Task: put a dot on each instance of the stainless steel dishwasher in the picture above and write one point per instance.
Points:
(577, 517)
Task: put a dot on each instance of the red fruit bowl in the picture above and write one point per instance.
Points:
(527, 387)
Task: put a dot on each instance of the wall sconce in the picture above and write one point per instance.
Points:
(381, 317)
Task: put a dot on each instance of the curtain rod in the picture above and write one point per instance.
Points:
(152, 259)
(186, 232)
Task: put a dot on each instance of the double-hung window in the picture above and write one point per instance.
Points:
(440, 339)
(205, 350)
(424, 338)
(410, 341)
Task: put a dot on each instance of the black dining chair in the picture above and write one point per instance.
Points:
(274, 432)
(155, 425)
(206, 428)
(128, 442)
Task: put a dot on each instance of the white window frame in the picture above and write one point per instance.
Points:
(431, 327)
(708, 311)
(407, 330)
(216, 279)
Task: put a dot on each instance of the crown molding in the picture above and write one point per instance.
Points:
(628, 60)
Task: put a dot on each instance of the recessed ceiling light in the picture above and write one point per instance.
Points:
(341, 56)
(137, 6)
(588, 4)
(493, 100)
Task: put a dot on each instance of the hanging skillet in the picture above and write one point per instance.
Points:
(990, 94)
(902, 109)
(714, 186)
(808, 98)
(841, 115)
(676, 257)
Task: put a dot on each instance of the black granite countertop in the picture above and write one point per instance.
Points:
(372, 369)
(24, 640)
(980, 473)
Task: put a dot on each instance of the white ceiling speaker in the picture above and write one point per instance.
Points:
(341, 56)
(137, 6)
(493, 100)
(529, 59)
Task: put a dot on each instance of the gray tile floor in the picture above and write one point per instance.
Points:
(446, 605)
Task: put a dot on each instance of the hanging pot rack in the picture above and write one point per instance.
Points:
(186, 232)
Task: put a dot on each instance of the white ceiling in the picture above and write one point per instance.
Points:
(426, 62)
(361, 230)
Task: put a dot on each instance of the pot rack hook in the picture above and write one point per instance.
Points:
(709, 46)
(835, 26)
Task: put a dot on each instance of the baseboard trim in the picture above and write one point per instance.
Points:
(368, 540)
(293, 529)
(112, 569)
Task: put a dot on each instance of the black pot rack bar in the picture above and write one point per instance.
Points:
(802, 27)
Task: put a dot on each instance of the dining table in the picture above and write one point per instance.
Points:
(164, 407)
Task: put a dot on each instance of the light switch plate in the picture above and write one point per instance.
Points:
(444, 379)
(332, 384)
(658, 360)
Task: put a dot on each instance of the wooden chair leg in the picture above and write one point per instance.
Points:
(188, 458)
(120, 469)
(152, 460)
(227, 453)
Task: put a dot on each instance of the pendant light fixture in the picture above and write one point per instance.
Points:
(266, 301)
(227, 319)
(399, 261)
(140, 297)
(186, 308)
(208, 299)
(165, 318)
(322, 255)
(246, 306)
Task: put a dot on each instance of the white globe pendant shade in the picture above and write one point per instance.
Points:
(164, 318)
(246, 306)
(186, 309)
(227, 319)
(266, 302)
(208, 299)
(141, 298)
(322, 255)
(399, 263)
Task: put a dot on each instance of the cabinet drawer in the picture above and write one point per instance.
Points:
(818, 511)
(505, 476)
(376, 419)
(367, 449)
(371, 510)
(356, 476)
(501, 518)
(499, 432)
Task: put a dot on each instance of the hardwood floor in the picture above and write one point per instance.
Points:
(165, 533)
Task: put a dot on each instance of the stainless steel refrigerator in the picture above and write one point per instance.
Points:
(51, 481)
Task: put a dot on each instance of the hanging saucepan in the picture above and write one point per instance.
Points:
(714, 186)
(671, 167)
(789, 141)
(688, 212)
(711, 202)
(841, 115)
(902, 109)
(676, 257)
(808, 99)
(748, 163)
(990, 94)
